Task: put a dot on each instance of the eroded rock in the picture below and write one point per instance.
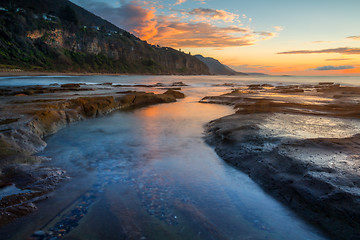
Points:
(25, 123)
(175, 94)
(295, 142)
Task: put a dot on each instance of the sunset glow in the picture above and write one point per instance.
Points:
(275, 37)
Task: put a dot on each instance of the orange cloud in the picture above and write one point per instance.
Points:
(146, 23)
(179, 2)
(144, 20)
(265, 35)
(173, 32)
(181, 34)
(338, 59)
(215, 14)
(344, 50)
(278, 28)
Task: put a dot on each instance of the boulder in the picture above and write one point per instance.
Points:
(175, 94)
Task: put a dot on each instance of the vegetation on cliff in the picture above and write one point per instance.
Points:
(57, 35)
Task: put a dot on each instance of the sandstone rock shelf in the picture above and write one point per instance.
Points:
(301, 144)
(28, 114)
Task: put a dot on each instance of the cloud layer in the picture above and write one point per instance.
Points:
(356, 38)
(180, 34)
(328, 68)
(179, 2)
(344, 50)
(215, 14)
(199, 27)
(338, 59)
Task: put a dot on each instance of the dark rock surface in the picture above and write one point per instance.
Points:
(34, 181)
(299, 147)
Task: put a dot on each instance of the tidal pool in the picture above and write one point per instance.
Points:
(148, 174)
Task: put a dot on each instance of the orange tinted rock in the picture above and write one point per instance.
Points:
(175, 94)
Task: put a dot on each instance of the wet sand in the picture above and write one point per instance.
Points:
(301, 144)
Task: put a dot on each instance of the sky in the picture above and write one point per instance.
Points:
(307, 37)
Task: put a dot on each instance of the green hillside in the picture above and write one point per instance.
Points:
(57, 35)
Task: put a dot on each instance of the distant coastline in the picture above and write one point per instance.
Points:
(46, 73)
(29, 73)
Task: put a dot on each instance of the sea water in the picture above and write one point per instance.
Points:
(148, 174)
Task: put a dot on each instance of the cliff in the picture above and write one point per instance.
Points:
(216, 67)
(57, 35)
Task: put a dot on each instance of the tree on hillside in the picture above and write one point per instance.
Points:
(68, 14)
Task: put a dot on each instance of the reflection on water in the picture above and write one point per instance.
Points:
(147, 174)
(156, 179)
(11, 189)
(307, 126)
(194, 80)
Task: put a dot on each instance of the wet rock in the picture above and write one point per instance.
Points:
(4, 184)
(323, 191)
(49, 121)
(171, 88)
(255, 87)
(22, 132)
(21, 95)
(39, 234)
(317, 193)
(326, 83)
(37, 182)
(9, 212)
(94, 106)
(175, 94)
(143, 99)
(179, 84)
(225, 85)
(70, 85)
(9, 121)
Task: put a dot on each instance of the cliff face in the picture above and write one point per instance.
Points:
(60, 36)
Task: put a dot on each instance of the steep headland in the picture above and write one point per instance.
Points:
(216, 67)
(59, 36)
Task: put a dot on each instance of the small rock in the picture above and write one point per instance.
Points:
(70, 85)
(39, 233)
(175, 94)
(179, 84)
